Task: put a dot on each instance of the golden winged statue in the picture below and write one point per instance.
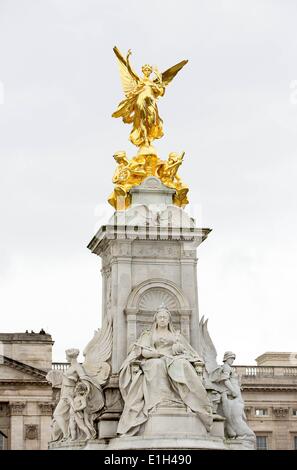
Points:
(140, 104)
(140, 109)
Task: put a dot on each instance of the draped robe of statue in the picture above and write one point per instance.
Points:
(232, 406)
(165, 379)
(140, 108)
(95, 400)
(141, 94)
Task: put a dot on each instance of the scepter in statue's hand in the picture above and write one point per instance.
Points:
(148, 348)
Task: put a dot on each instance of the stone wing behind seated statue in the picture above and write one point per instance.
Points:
(55, 378)
(208, 351)
(97, 353)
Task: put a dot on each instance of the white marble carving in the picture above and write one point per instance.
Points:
(82, 397)
(224, 385)
(144, 300)
(167, 399)
(152, 298)
(160, 371)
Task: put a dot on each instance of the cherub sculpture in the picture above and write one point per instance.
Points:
(80, 425)
(81, 396)
(167, 172)
(141, 94)
(128, 174)
(223, 382)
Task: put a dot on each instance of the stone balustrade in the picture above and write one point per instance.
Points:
(246, 371)
(266, 371)
(60, 365)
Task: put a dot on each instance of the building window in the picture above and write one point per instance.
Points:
(295, 442)
(295, 413)
(261, 412)
(2, 441)
(262, 443)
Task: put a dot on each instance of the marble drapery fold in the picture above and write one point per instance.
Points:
(169, 379)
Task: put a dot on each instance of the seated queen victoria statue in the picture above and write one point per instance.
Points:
(160, 369)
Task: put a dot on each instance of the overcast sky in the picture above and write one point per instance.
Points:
(233, 109)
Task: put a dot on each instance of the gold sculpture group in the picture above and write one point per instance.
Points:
(140, 109)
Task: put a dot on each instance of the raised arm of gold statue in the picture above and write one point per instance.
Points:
(140, 104)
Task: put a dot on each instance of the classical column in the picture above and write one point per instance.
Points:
(46, 411)
(121, 285)
(185, 325)
(106, 291)
(17, 425)
(189, 287)
(131, 326)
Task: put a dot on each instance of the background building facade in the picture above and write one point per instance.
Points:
(270, 395)
(25, 394)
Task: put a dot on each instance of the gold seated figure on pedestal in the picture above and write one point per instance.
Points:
(132, 172)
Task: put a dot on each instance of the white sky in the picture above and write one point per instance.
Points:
(231, 109)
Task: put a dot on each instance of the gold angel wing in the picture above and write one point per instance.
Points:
(170, 73)
(129, 78)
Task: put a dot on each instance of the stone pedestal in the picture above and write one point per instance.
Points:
(148, 257)
(107, 425)
(164, 442)
(174, 423)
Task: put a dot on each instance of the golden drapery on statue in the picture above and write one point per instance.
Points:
(140, 109)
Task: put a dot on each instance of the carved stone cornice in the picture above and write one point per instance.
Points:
(26, 337)
(269, 388)
(143, 232)
(16, 383)
(46, 408)
(17, 408)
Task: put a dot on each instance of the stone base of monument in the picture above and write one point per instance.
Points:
(240, 444)
(69, 445)
(164, 442)
(170, 427)
(166, 428)
(107, 428)
(154, 443)
(172, 422)
(189, 442)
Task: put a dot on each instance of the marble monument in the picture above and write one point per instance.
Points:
(150, 377)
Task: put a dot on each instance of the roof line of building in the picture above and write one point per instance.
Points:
(23, 367)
